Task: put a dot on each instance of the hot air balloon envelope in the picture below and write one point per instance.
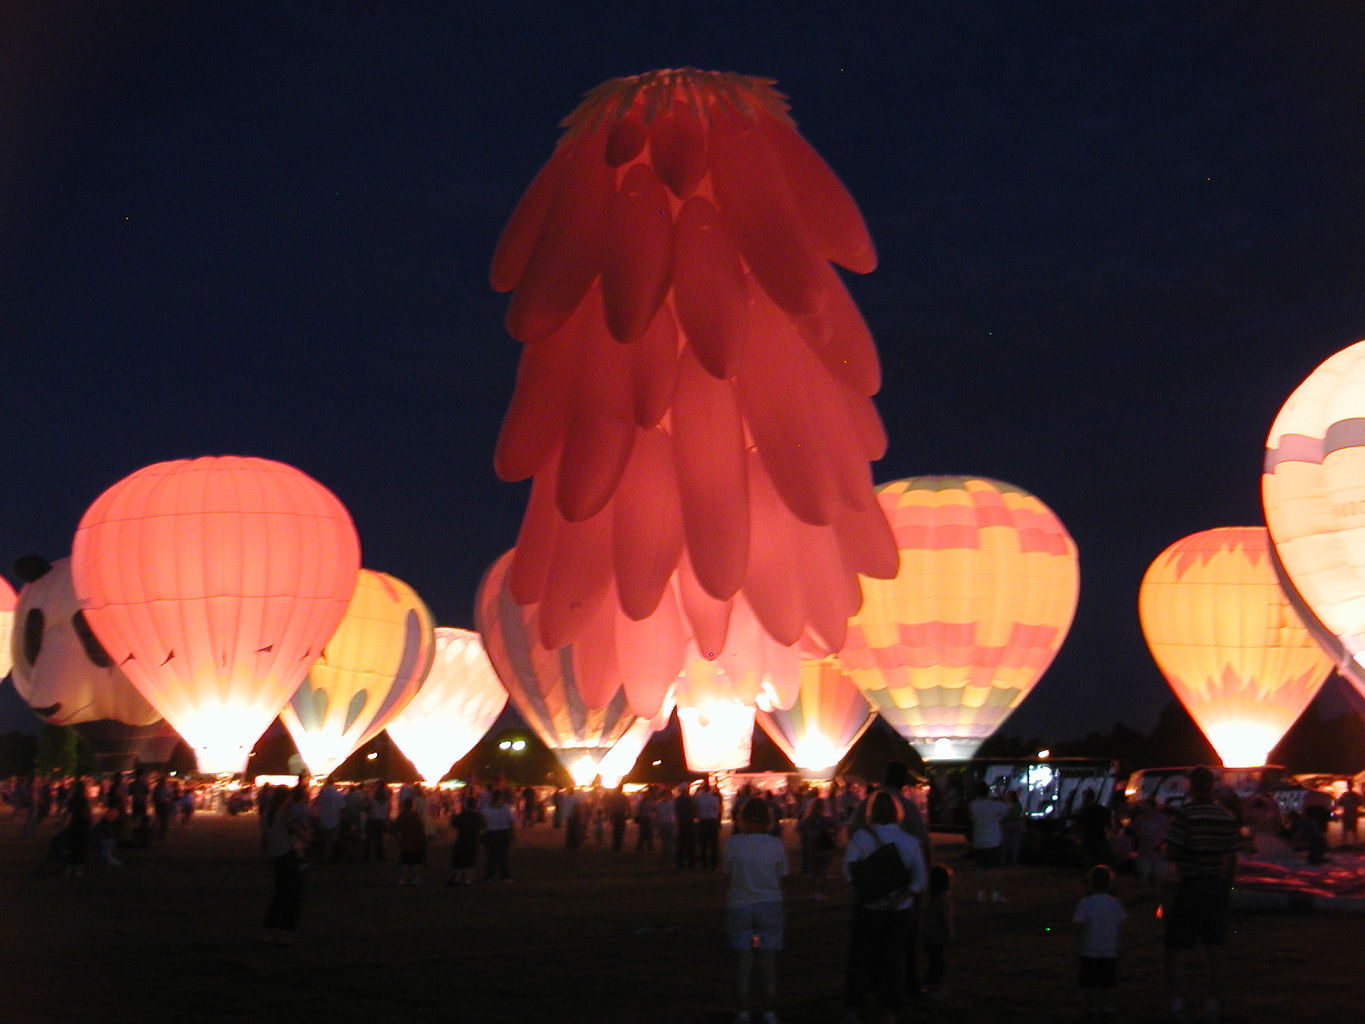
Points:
(983, 599)
(1228, 642)
(456, 706)
(213, 583)
(368, 671)
(1313, 492)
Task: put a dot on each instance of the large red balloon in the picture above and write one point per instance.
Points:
(694, 394)
(214, 583)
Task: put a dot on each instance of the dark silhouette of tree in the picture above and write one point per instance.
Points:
(17, 750)
(1175, 740)
(56, 751)
(1316, 743)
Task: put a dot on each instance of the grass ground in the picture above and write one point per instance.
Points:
(580, 936)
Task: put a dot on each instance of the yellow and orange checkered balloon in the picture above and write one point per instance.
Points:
(980, 605)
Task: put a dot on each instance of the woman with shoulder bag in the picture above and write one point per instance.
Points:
(885, 888)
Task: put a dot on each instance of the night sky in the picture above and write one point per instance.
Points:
(1113, 238)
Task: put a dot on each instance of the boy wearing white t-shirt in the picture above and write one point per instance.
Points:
(1097, 942)
(755, 862)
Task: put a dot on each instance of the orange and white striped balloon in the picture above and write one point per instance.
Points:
(1227, 640)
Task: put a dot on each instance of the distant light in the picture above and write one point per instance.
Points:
(372, 755)
(518, 744)
(505, 745)
(656, 763)
(1044, 754)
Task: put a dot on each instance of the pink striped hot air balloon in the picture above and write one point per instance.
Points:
(1313, 492)
(1227, 640)
(983, 599)
(543, 684)
(694, 394)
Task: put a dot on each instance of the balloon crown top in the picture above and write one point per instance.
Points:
(642, 98)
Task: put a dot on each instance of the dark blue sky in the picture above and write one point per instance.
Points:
(1113, 238)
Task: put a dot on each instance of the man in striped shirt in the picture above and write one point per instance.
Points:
(1202, 843)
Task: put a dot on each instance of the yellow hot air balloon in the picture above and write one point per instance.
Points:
(1313, 492)
(1225, 637)
(983, 599)
(458, 703)
(368, 671)
(828, 716)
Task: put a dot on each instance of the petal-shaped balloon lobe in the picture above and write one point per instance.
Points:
(709, 289)
(600, 427)
(647, 530)
(626, 138)
(708, 446)
(654, 369)
(677, 148)
(637, 253)
(524, 229)
(827, 210)
(568, 255)
(758, 211)
(533, 429)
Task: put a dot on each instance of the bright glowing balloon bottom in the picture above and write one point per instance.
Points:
(221, 736)
(582, 763)
(947, 748)
(617, 762)
(1242, 744)
(717, 736)
(319, 755)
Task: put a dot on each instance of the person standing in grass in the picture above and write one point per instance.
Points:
(756, 863)
(287, 835)
(1202, 843)
(468, 823)
(411, 831)
(882, 929)
(1099, 916)
(497, 837)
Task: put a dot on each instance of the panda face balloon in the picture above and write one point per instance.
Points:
(60, 669)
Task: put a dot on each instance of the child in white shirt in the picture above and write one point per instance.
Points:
(1097, 942)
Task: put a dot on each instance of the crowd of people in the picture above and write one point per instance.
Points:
(871, 842)
(98, 817)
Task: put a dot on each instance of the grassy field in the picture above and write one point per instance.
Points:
(586, 935)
